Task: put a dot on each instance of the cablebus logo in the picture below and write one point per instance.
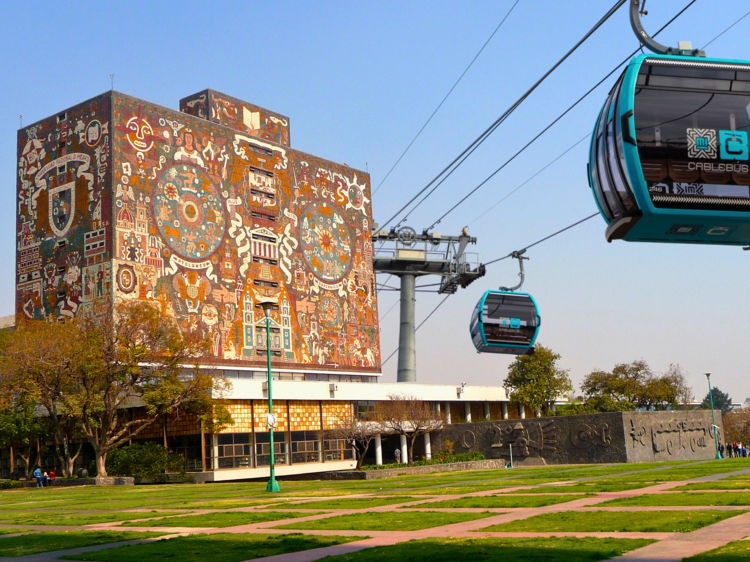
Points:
(727, 145)
(709, 144)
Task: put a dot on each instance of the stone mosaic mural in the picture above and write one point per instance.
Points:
(205, 222)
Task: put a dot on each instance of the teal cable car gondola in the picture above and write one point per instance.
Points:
(505, 321)
(669, 158)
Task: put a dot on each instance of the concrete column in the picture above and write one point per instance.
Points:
(407, 350)
(378, 450)
(215, 452)
(404, 450)
(448, 413)
(522, 411)
(467, 412)
(486, 410)
(504, 408)
(553, 407)
(538, 412)
(427, 447)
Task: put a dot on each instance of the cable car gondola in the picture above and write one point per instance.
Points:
(505, 321)
(669, 158)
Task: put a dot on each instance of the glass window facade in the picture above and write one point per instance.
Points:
(235, 450)
(263, 448)
(305, 446)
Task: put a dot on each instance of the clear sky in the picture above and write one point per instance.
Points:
(358, 80)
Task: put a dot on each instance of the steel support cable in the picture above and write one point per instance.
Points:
(548, 127)
(434, 310)
(445, 98)
(531, 178)
(487, 132)
(723, 32)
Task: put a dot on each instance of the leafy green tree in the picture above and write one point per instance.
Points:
(634, 385)
(536, 380)
(722, 401)
(20, 426)
(144, 460)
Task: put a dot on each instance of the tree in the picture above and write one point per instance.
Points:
(358, 432)
(20, 425)
(536, 380)
(634, 385)
(38, 362)
(407, 415)
(722, 401)
(737, 426)
(136, 355)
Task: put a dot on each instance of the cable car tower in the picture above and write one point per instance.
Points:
(408, 255)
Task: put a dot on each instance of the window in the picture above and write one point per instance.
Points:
(62, 117)
(256, 259)
(263, 448)
(305, 447)
(337, 450)
(235, 450)
(189, 447)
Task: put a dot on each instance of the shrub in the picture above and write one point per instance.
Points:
(144, 460)
(9, 484)
(438, 458)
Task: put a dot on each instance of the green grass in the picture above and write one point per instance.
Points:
(553, 549)
(724, 484)
(65, 540)
(13, 531)
(352, 503)
(223, 504)
(686, 499)
(221, 519)
(583, 487)
(732, 552)
(497, 501)
(391, 521)
(56, 518)
(616, 522)
(446, 491)
(221, 547)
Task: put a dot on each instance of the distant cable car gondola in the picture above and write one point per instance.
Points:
(505, 321)
(669, 158)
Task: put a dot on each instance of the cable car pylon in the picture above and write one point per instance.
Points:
(407, 255)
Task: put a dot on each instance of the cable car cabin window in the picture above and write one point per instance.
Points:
(601, 164)
(693, 145)
(509, 319)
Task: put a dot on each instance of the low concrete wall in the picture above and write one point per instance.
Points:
(408, 470)
(615, 437)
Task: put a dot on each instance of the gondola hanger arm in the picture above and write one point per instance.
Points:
(683, 48)
(520, 257)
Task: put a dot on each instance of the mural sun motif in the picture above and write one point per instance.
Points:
(326, 241)
(189, 212)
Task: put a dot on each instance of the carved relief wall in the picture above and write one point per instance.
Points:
(63, 213)
(611, 437)
(206, 223)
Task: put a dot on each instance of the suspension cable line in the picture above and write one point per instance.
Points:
(487, 132)
(445, 98)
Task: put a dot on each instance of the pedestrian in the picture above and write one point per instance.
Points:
(38, 476)
(45, 480)
(736, 450)
(397, 454)
(51, 477)
(721, 450)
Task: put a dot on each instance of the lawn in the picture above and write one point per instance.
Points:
(224, 504)
(686, 499)
(732, 552)
(13, 531)
(221, 547)
(554, 549)
(65, 540)
(616, 521)
(583, 487)
(498, 501)
(221, 519)
(74, 519)
(724, 484)
(351, 503)
(391, 521)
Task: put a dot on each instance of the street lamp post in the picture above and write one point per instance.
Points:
(273, 485)
(713, 415)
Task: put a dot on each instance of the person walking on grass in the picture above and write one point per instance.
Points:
(721, 450)
(38, 476)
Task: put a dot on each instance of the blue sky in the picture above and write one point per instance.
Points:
(358, 80)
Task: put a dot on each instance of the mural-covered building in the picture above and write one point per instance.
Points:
(204, 213)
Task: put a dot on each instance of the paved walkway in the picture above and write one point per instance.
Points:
(670, 546)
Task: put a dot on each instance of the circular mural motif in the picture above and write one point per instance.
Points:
(189, 212)
(330, 312)
(326, 241)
